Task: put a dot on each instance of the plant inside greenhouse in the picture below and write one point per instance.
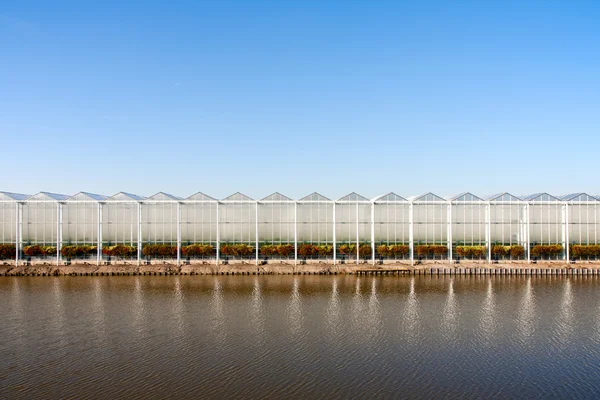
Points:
(7, 251)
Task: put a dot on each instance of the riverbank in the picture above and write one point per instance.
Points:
(547, 268)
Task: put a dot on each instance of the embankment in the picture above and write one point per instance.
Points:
(554, 268)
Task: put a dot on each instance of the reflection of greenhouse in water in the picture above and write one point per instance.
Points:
(388, 227)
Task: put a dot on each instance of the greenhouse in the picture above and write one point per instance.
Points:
(86, 227)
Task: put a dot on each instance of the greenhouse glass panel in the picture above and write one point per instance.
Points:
(584, 221)
(430, 220)
(159, 219)
(237, 220)
(391, 226)
(199, 220)
(468, 220)
(120, 220)
(507, 225)
(276, 220)
(40, 219)
(545, 222)
(315, 219)
(8, 215)
(80, 220)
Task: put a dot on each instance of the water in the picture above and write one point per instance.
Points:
(299, 337)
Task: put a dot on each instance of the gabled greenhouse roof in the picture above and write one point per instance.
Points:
(578, 197)
(48, 196)
(125, 196)
(13, 196)
(315, 197)
(163, 196)
(276, 197)
(390, 197)
(201, 197)
(237, 196)
(87, 196)
(353, 197)
(505, 196)
(428, 197)
(541, 197)
(467, 196)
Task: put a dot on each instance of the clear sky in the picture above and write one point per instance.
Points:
(300, 96)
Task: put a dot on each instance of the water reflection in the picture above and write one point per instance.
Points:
(351, 337)
(374, 319)
(179, 308)
(526, 314)
(257, 314)
(410, 317)
(333, 311)
(98, 307)
(137, 308)
(57, 323)
(217, 311)
(487, 318)
(294, 310)
(450, 316)
(564, 320)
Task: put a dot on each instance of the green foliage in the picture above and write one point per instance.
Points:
(120, 250)
(198, 250)
(546, 250)
(7, 251)
(78, 251)
(325, 250)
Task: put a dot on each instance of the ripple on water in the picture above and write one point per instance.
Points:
(299, 337)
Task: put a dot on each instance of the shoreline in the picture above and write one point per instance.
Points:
(546, 268)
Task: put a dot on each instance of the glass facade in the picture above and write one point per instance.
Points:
(428, 221)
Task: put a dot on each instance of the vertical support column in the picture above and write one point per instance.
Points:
(58, 231)
(256, 233)
(450, 232)
(295, 233)
(17, 233)
(566, 240)
(99, 235)
(411, 233)
(373, 232)
(218, 236)
(357, 237)
(334, 244)
(488, 231)
(527, 238)
(139, 235)
(178, 234)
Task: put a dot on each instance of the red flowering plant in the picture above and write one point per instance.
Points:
(198, 250)
(7, 251)
(285, 250)
(399, 250)
(365, 250)
(120, 250)
(307, 250)
(160, 250)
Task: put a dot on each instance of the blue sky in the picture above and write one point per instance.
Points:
(300, 96)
